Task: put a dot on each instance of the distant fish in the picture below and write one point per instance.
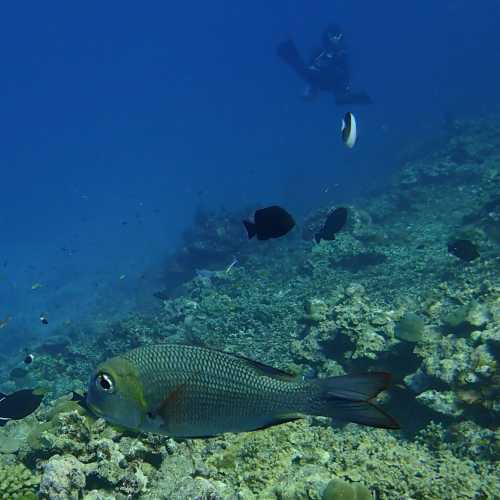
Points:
(122, 277)
(162, 295)
(29, 359)
(19, 404)
(349, 130)
(68, 251)
(4, 322)
(334, 223)
(464, 250)
(36, 286)
(44, 319)
(18, 372)
(187, 391)
(270, 222)
(233, 263)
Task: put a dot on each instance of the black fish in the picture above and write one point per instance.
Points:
(80, 399)
(19, 404)
(29, 359)
(463, 249)
(270, 222)
(334, 223)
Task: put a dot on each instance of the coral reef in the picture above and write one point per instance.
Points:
(385, 295)
(17, 482)
(337, 489)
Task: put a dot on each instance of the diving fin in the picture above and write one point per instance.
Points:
(287, 51)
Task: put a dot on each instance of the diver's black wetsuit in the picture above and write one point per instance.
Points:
(328, 70)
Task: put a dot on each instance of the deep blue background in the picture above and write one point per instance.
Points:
(117, 117)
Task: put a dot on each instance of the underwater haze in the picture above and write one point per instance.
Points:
(135, 139)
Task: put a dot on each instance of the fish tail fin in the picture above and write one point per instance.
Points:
(251, 229)
(348, 398)
(288, 52)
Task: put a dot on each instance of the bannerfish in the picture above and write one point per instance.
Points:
(19, 404)
(349, 130)
(188, 391)
(334, 223)
(270, 222)
(464, 250)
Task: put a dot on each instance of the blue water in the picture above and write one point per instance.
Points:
(118, 119)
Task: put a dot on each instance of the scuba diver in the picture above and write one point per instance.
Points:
(328, 70)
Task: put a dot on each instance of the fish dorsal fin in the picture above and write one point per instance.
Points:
(261, 368)
(267, 370)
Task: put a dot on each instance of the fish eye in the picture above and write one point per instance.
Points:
(104, 382)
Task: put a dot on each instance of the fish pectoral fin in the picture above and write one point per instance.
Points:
(171, 402)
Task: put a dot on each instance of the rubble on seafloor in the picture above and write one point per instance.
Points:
(385, 295)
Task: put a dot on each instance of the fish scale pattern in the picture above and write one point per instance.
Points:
(202, 391)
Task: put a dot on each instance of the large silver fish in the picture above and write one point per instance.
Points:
(187, 391)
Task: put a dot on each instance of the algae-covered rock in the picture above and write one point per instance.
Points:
(316, 310)
(63, 478)
(410, 328)
(342, 490)
(473, 315)
(444, 402)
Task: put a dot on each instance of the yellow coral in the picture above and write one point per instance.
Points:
(17, 482)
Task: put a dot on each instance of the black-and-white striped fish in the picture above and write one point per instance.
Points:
(349, 130)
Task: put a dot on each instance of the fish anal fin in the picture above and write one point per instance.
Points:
(280, 419)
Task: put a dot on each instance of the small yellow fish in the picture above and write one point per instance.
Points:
(36, 286)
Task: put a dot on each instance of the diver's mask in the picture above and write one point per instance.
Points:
(335, 38)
